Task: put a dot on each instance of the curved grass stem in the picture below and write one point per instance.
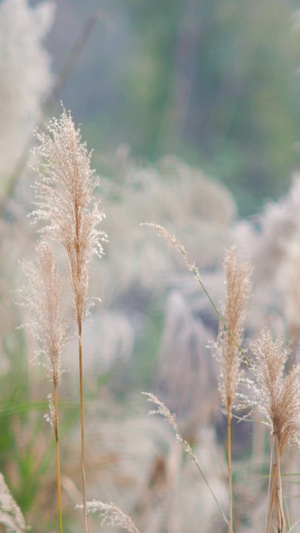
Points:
(162, 232)
(163, 410)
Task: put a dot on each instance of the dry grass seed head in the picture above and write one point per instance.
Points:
(277, 396)
(112, 515)
(162, 409)
(43, 296)
(65, 201)
(238, 288)
(10, 514)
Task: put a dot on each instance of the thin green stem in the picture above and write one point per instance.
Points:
(196, 273)
(195, 460)
(293, 526)
(84, 492)
(161, 231)
(164, 412)
(57, 458)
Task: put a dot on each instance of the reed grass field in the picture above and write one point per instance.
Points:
(133, 286)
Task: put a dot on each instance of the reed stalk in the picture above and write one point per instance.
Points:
(277, 396)
(230, 524)
(231, 333)
(84, 491)
(275, 505)
(66, 201)
(162, 409)
(43, 296)
(57, 457)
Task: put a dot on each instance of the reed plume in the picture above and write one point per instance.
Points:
(65, 201)
(277, 396)
(162, 410)
(43, 296)
(238, 286)
(162, 232)
(112, 515)
(10, 514)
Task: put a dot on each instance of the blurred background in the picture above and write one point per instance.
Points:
(192, 109)
(215, 83)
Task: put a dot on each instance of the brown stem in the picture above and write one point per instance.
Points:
(275, 509)
(84, 495)
(230, 523)
(57, 458)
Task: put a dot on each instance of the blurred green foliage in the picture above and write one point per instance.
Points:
(214, 82)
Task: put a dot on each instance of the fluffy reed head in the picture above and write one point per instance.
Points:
(65, 201)
(277, 396)
(112, 515)
(10, 514)
(238, 287)
(43, 297)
